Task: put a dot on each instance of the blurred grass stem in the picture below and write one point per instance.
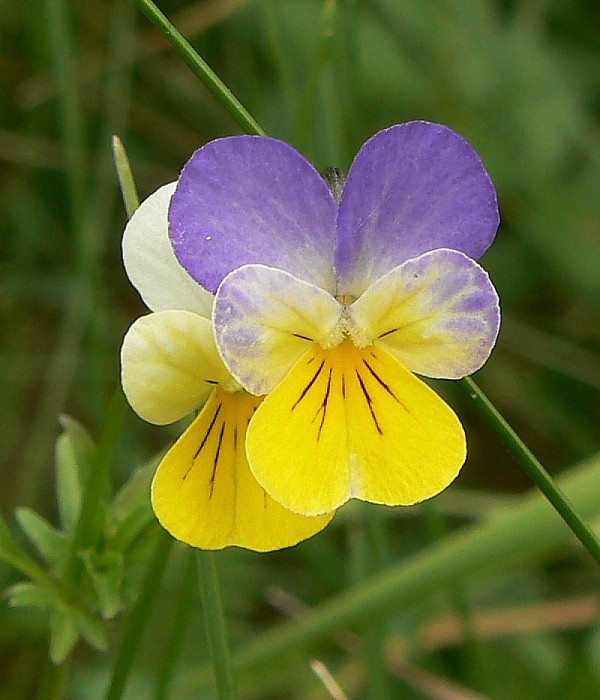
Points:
(214, 624)
(139, 615)
(320, 59)
(164, 677)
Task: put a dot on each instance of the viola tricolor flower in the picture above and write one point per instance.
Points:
(203, 492)
(330, 308)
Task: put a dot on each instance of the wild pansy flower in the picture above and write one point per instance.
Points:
(331, 307)
(203, 492)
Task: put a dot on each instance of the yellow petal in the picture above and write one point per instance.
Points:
(204, 493)
(353, 423)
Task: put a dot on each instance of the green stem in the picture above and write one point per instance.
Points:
(318, 63)
(201, 69)
(214, 624)
(533, 467)
(276, 41)
(177, 636)
(375, 630)
(138, 617)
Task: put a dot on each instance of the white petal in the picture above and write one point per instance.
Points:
(151, 264)
(265, 319)
(169, 362)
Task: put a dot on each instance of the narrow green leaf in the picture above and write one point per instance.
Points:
(29, 595)
(63, 634)
(533, 467)
(106, 572)
(214, 625)
(92, 630)
(125, 177)
(12, 554)
(50, 543)
(74, 448)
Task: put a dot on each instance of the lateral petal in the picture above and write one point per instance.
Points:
(438, 314)
(151, 264)
(412, 188)
(353, 423)
(265, 319)
(169, 362)
(252, 199)
(204, 493)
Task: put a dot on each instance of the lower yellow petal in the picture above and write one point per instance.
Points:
(204, 494)
(353, 423)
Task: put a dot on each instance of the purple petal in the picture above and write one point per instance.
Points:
(252, 199)
(412, 188)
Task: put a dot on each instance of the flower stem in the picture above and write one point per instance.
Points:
(533, 467)
(201, 69)
(177, 637)
(214, 624)
(138, 617)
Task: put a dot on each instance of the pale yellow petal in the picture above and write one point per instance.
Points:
(169, 362)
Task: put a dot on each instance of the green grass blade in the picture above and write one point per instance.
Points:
(214, 624)
(201, 69)
(512, 535)
(534, 468)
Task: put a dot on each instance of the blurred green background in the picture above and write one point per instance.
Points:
(519, 79)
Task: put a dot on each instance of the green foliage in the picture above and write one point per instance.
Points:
(79, 608)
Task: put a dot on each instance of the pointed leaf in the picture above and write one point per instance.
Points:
(63, 634)
(72, 453)
(93, 631)
(29, 595)
(131, 511)
(49, 542)
(106, 573)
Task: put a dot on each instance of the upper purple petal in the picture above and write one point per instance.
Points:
(252, 199)
(412, 188)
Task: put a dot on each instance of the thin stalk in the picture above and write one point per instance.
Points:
(138, 616)
(201, 69)
(281, 57)
(533, 468)
(319, 61)
(214, 624)
(511, 536)
(177, 637)
(375, 630)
